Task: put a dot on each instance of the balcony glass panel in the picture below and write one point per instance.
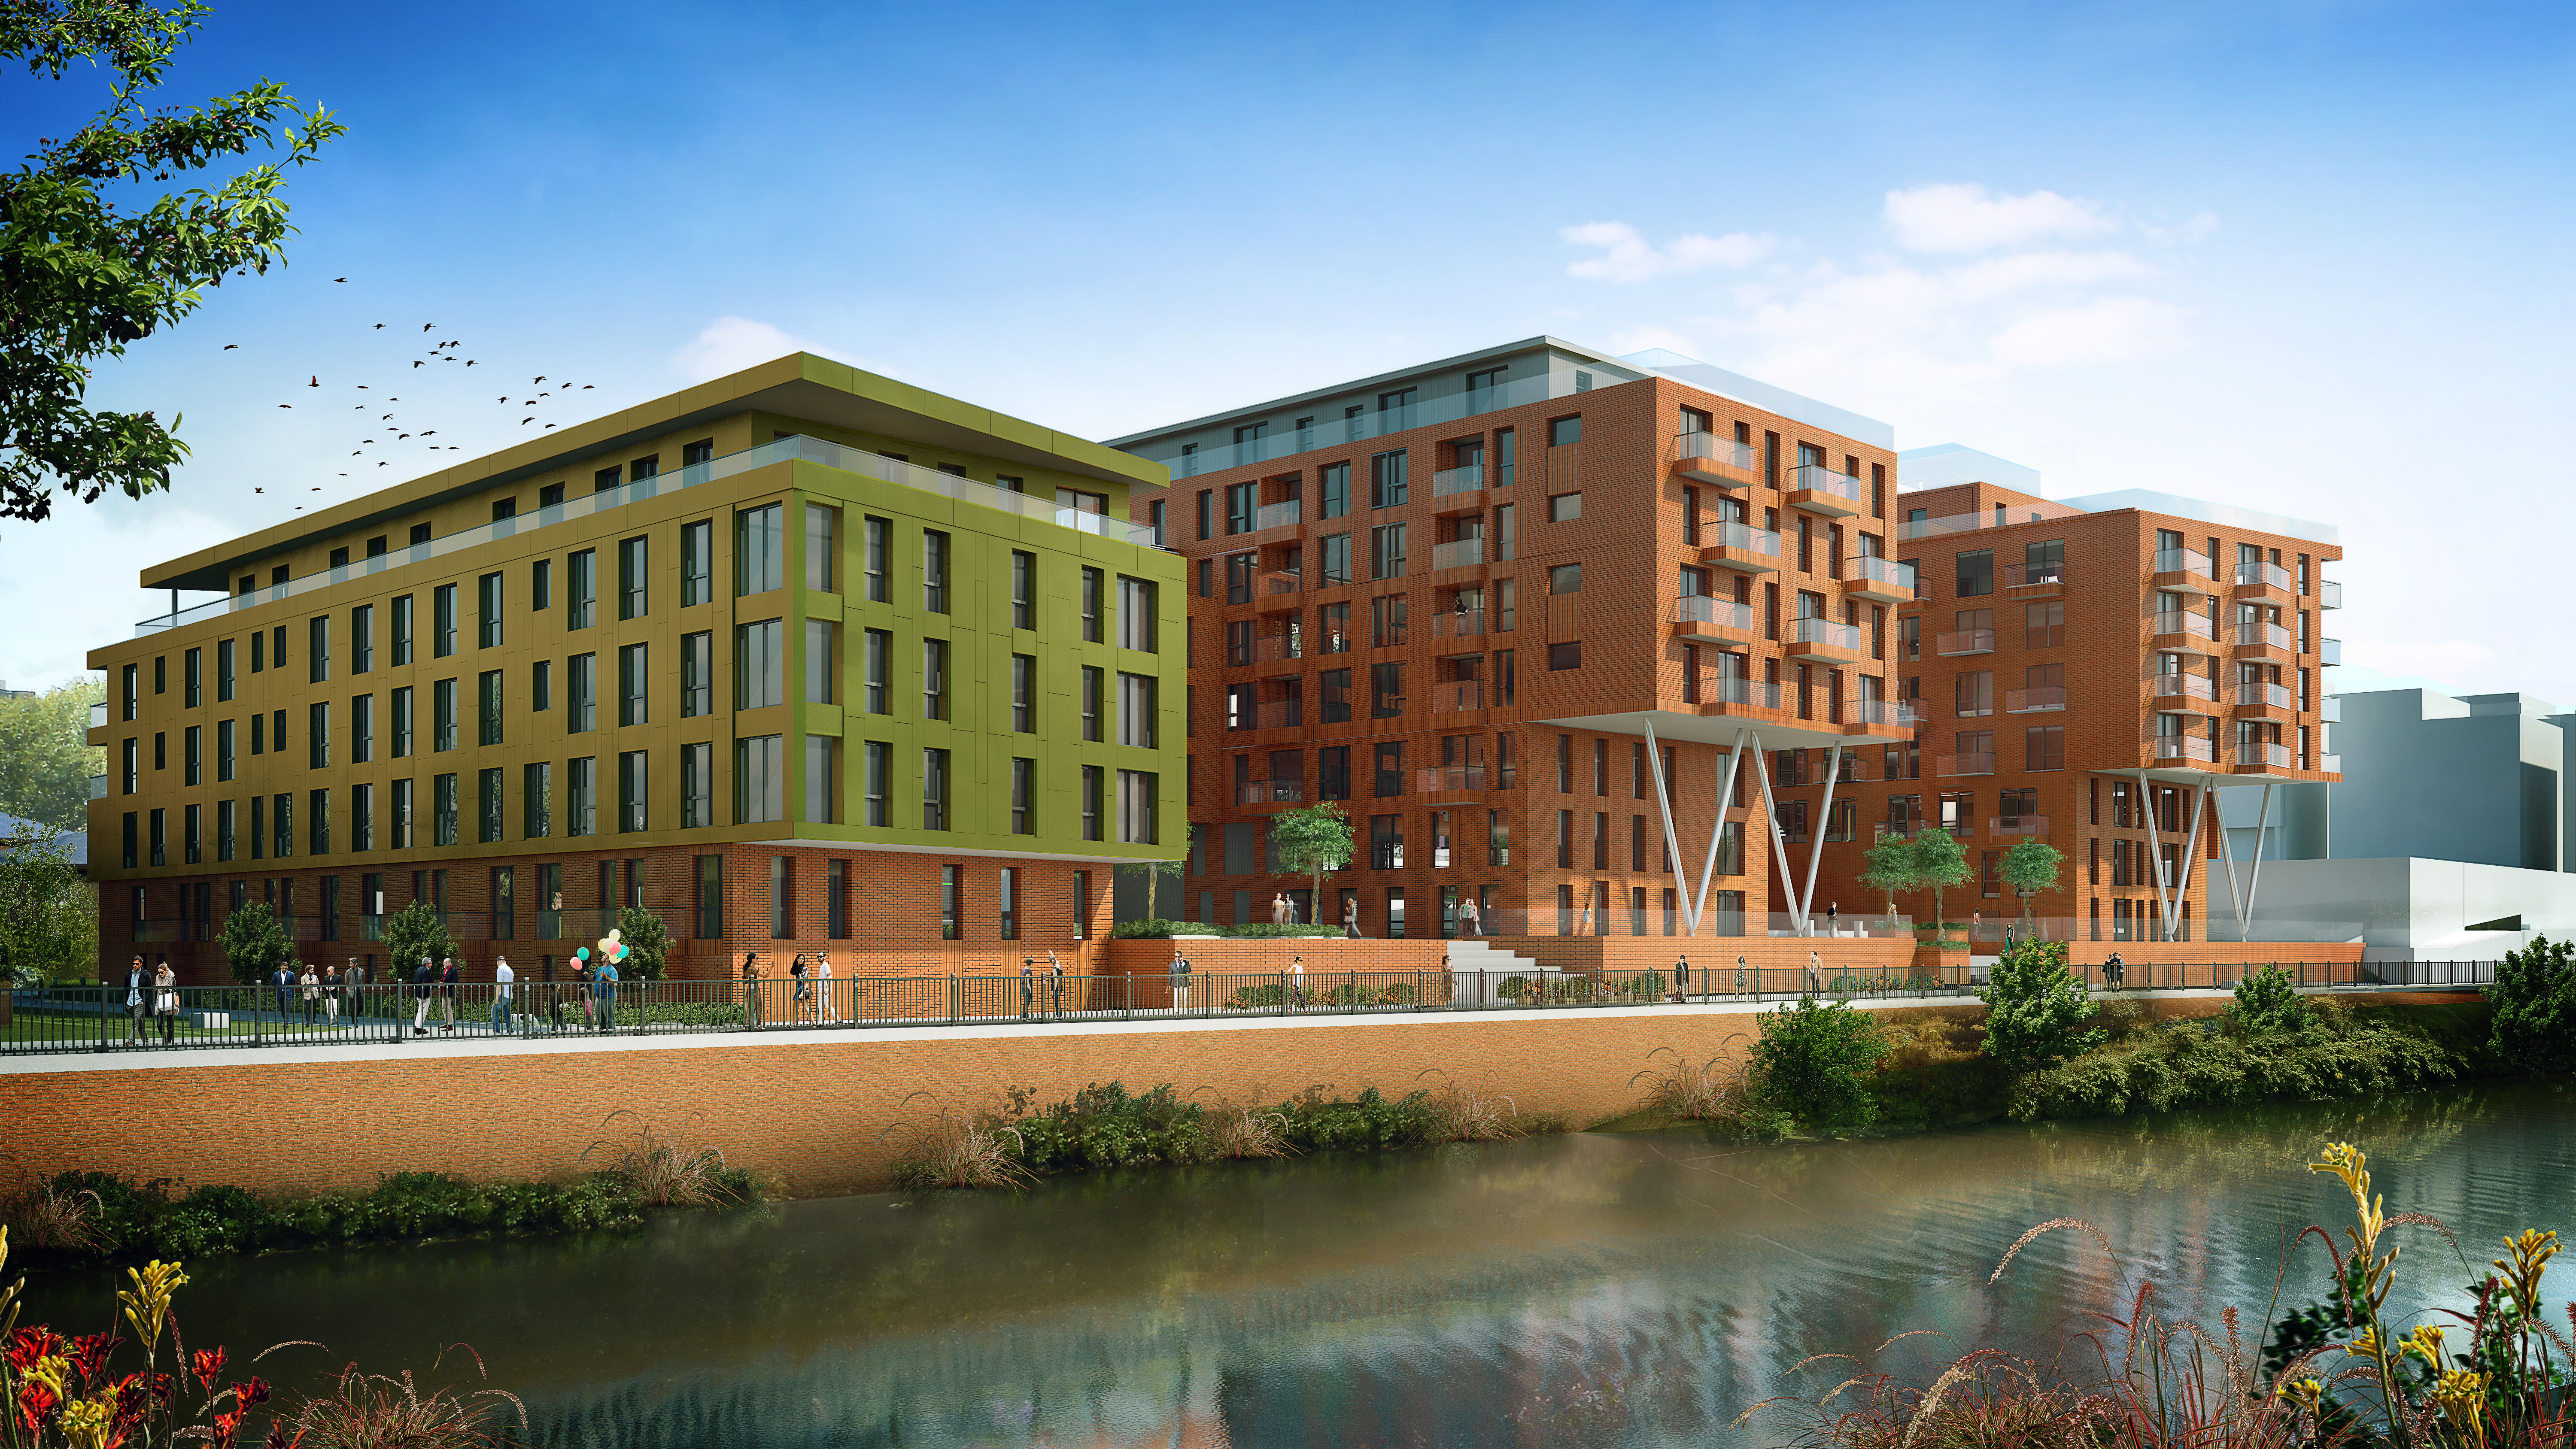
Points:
(1739, 535)
(1276, 515)
(2182, 747)
(1977, 764)
(1334, 432)
(2026, 576)
(1702, 609)
(2182, 561)
(2329, 594)
(2032, 701)
(1450, 696)
(1823, 479)
(1964, 641)
(1830, 634)
(2259, 572)
(1458, 480)
(2274, 696)
(1882, 570)
(1448, 777)
(2183, 622)
(2183, 686)
(1714, 447)
(2273, 635)
(2256, 752)
(2330, 651)
(1464, 553)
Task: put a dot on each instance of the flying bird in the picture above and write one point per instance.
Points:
(415, 362)
(536, 380)
(469, 362)
(432, 433)
(259, 490)
(317, 490)
(523, 422)
(316, 382)
(286, 405)
(362, 387)
(229, 346)
(339, 279)
(380, 465)
(380, 327)
(585, 387)
(398, 437)
(425, 326)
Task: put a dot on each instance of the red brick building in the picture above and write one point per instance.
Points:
(1530, 613)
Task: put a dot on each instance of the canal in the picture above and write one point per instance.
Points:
(1449, 1297)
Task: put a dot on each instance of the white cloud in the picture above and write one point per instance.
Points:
(730, 344)
(2410, 663)
(2112, 329)
(1966, 218)
(1627, 256)
(2198, 228)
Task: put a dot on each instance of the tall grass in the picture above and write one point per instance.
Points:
(1471, 1114)
(951, 1148)
(382, 1411)
(1235, 1130)
(662, 1173)
(49, 1217)
(1720, 1091)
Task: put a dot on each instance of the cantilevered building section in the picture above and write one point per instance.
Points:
(1553, 624)
(802, 659)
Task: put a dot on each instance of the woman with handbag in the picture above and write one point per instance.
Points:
(165, 1000)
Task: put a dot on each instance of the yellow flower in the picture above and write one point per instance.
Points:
(2304, 1392)
(86, 1422)
(49, 1372)
(147, 1304)
(2425, 1343)
(2366, 1345)
(2531, 1254)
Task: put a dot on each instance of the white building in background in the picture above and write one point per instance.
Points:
(2445, 840)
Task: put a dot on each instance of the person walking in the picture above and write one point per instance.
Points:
(1028, 984)
(1681, 978)
(1583, 923)
(350, 981)
(311, 981)
(827, 1005)
(503, 978)
(448, 976)
(1279, 909)
(603, 985)
(1297, 981)
(1815, 973)
(2113, 970)
(135, 979)
(331, 997)
(1833, 918)
(1180, 982)
(797, 1000)
(1055, 984)
(283, 981)
(1739, 976)
(751, 987)
(165, 1000)
(1351, 918)
(1471, 922)
(421, 990)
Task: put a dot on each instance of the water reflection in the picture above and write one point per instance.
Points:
(1410, 1299)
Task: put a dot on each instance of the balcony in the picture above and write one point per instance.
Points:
(2009, 827)
(1449, 780)
(2256, 695)
(2034, 701)
(2183, 630)
(98, 787)
(2179, 568)
(1708, 458)
(1973, 764)
(1464, 553)
(2330, 764)
(2329, 594)
(1451, 481)
(2183, 686)
(1269, 792)
(2265, 580)
(1277, 648)
(1282, 581)
(2182, 750)
(1738, 693)
(2258, 755)
(1822, 639)
(1456, 696)
(1698, 615)
(1817, 488)
(1879, 579)
(2330, 709)
(2035, 576)
(1458, 624)
(1862, 715)
(1964, 641)
(1383, 422)
(2257, 638)
(1739, 546)
(2329, 651)
(1276, 515)
(1281, 714)
(98, 715)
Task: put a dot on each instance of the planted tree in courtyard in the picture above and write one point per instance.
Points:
(2534, 995)
(413, 932)
(48, 914)
(2036, 1009)
(648, 944)
(254, 941)
(1153, 872)
(1312, 841)
(1939, 862)
(2029, 868)
(1889, 867)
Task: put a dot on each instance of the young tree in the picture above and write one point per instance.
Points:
(254, 942)
(1939, 862)
(1814, 1062)
(648, 944)
(46, 758)
(2029, 868)
(47, 921)
(2534, 995)
(1890, 868)
(1312, 841)
(411, 933)
(2035, 1009)
(1153, 871)
(87, 274)
(2268, 1003)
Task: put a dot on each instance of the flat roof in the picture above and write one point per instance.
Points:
(798, 385)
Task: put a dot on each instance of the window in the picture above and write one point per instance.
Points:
(317, 653)
(2044, 626)
(1561, 431)
(581, 589)
(934, 679)
(1386, 551)
(1333, 490)
(633, 571)
(1024, 694)
(403, 834)
(362, 817)
(1386, 690)
(581, 694)
(760, 549)
(934, 789)
(1091, 602)
(1567, 655)
(442, 821)
(759, 779)
(1387, 480)
(634, 682)
(697, 562)
(2045, 747)
(822, 779)
(822, 662)
(876, 663)
(1136, 709)
(760, 664)
(400, 632)
(1239, 506)
(697, 785)
(1976, 572)
(224, 666)
(1974, 692)
(1137, 791)
(442, 625)
(488, 806)
(708, 886)
(1137, 601)
(1564, 507)
(822, 548)
(1024, 789)
(402, 741)
(877, 770)
(697, 674)
(536, 800)
(1092, 688)
(442, 720)
(934, 571)
(1565, 579)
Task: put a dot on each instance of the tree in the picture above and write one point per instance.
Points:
(2268, 1004)
(1153, 871)
(83, 278)
(46, 758)
(648, 943)
(413, 932)
(1939, 861)
(2035, 1009)
(1310, 842)
(254, 942)
(2534, 995)
(48, 915)
(1815, 1061)
(2029, 868)
(1890, 868)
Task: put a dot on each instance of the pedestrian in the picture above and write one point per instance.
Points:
(448, 976)
(751, 987)
(1028, 984)
(603, 985)
(2113, 970)
(1583, 923)
(1833, 918)
(1279, 909)
(421, 990)
(165, 999)
(1448, 976)
(1739, 976)
(1294, 913)
(1297, 981)
(828, 1005)
(502, 979)
(283, 979)
(1815, 973)
(1976, 925)
(1055, 982)
(1681, 978)
(1471, 922)
(331, 996)
(311, 981)
(1180, 981)
(350, 982)
(1351, 917)
(804, 992)
(135, 976)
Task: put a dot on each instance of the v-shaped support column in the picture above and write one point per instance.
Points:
(1692, 903)
(1779, 845)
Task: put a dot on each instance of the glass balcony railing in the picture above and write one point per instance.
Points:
(2016, 825)
(1458, 624)
(2330, 651)
(2329, 594)
(2255, 693)
(2176, 621)
(2035, 699)
(2330, 709)
(1453, 696)
(2034, 575)
(1333, 432)
(1276, 515)
(1964, 641)
(1281, 714)
(1889, 713)
(1269, 792)
(2256, 633)
(1714, 448)
(98, 715)
(2331, 764)
(1741, 536)
(98, 787)
(2268, 575)
(2183, 747)
(1979, 763)
(2183, 686)
(1275, 648)
(1463, 553)
(1282, 581)
(1826, 632)
(799, 447)
(1435, 779)
(2183, 561)
(2257, 752)
(1752, 692)
(1818, 477)
(1449, 481)
(1702, 609)
(1888, 571)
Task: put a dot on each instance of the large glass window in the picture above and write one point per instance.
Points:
(934, 679)
(581, 694)
(581, 797)
(877, 556)
(697, 674)
(822, 779)
(822, 548)
(697, 562)
(760, 664)
(581, 589)
(442, 621)
(1136, 705)
(934, 571)
(1137, 791)
(442, 715)
(822, 662)
(877, 666)
(760, 779)
(634, 684)
(934, 789)
(760, 549)
(1137, 599)
(634, 573)
(697, 785)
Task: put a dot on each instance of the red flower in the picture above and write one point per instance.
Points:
(89, 1354)
(208, 1365)
(278, 1439)
(29, 1345)
(36, 1403)
(251, 1395)
(136, 1393)
(228, 1425)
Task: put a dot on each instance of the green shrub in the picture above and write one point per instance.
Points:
(1649, 987)
(2534, 995)
(1255, 998)
(212, 1221)
(2268, 1004)
(2035, 1009)
(679, 1013)
(1393, 993)
(1156, 928)
(1104, 1126)
(1368, 1122)
(1511, 987)
(1815, 1062)
(2182, 1066)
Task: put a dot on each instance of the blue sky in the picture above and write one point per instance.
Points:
(2309, 258)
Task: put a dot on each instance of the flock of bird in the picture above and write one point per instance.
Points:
(386, 424)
